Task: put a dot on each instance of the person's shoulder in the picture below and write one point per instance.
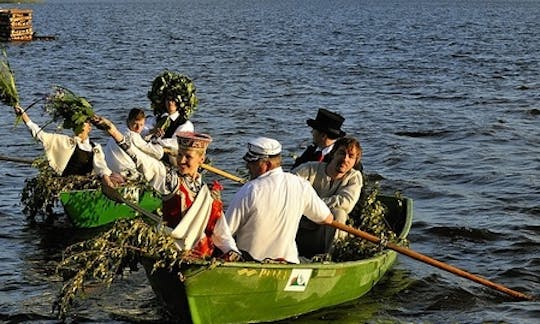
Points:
(354, 175)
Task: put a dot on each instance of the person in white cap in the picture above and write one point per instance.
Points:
(338, 184)
(264, 214)
(192, 211)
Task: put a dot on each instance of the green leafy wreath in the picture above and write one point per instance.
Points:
(173, 85)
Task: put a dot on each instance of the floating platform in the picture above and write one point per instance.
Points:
(16, 25)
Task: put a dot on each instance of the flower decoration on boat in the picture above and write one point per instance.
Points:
(176, 86)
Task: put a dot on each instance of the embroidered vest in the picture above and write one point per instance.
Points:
(173, 125)
(80, 162)
(311, 154)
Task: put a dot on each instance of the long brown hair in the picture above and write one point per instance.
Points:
(349, 143)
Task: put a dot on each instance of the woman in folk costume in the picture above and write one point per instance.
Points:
(173, 101)
(192, 211)
(71, 155)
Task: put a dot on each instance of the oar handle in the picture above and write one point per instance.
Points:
(441, 265)
(17, 160)
(223, 173)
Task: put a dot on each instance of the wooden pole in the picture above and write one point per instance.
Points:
(114, 195)
(430, 261)
(16, 160)
(223, 173)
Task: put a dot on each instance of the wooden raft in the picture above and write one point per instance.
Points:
(16, 25)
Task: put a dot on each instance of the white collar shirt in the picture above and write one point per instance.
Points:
(265, 213)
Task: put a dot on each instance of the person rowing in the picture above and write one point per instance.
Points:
(264, 214)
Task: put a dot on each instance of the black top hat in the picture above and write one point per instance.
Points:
(328, 122)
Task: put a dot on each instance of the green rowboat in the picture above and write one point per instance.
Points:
(215, 292)
(91, 208)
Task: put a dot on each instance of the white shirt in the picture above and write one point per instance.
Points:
(147, 154)
(59, 148)
(265, 213)
(152, 120)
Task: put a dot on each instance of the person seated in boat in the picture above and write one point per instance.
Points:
(149, 154)
(192, 211)
(264, 214)
(72, 155)
(325, 130)
(339, 184)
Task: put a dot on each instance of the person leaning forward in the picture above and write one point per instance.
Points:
(326, 129)
(264, 214)
(192, 211)
(339, 184)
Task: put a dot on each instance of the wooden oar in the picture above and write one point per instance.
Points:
(223, 173)
(413, 254)
(16, 160)
(430, 261)
(114, 195)
(210, 168)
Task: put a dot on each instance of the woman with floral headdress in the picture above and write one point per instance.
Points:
(192, 210)
(173, 101)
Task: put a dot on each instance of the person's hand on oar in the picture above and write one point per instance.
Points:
(408, 252)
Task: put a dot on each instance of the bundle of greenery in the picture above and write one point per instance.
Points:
(40, 195)
(70, 109)
(8, 88)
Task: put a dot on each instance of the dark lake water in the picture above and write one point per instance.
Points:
(443, 95)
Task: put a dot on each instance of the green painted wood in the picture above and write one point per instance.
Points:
(255, 292)
(90, 208)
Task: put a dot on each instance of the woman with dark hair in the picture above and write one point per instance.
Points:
(339, 184)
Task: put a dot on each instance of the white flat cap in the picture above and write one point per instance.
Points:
(260, 148)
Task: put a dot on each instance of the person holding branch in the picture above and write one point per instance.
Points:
(71, 155)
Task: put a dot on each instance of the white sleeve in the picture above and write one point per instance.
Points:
(237, 209)
(154, 150)
(222, 236)
(100, 166)
(185, 127)
(315, 208)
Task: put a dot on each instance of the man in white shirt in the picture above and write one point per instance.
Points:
(265, 213)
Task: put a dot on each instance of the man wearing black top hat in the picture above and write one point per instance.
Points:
(326, 129)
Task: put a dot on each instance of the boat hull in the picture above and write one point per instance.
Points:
(242, 292)
(260, 292)
(91, 208)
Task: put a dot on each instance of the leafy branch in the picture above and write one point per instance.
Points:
(72, 110)
(105, 257)
(8, 89)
